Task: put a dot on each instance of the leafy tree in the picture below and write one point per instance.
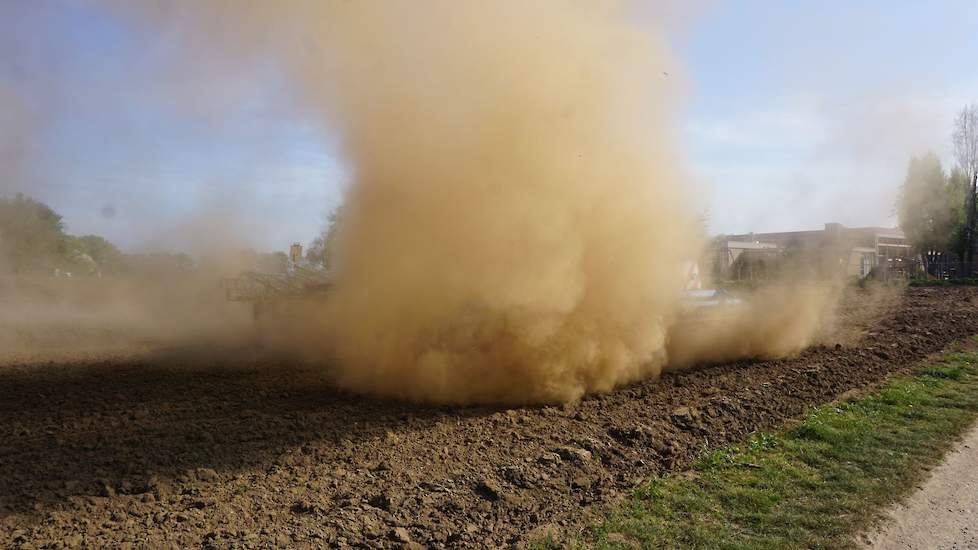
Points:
(322, 249)
(103, 254)
(32, 239)
(929, 209)
(32, 236)
(316, 251)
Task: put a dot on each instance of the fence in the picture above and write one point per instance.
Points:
(753, 268)
(940, 269)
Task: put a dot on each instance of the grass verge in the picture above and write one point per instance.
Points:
(815, 485)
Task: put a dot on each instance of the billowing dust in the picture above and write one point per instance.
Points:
(781, 318)
(518, 222)
(773, 321)
(517, 226)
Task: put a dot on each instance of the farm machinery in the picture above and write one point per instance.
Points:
(304, 282)
(268, 291)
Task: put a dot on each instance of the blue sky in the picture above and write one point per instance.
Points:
(806, 112)
(798, 113)
(113, 128)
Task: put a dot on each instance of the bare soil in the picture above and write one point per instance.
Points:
(173, 450)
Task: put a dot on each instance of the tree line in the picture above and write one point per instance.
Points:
(33, 240)
(936, 208)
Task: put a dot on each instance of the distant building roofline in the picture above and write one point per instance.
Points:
(749, 245)
(894, 232)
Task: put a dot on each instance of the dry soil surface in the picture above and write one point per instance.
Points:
(943, 513)
(169, 451)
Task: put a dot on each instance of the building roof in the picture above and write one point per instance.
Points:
(894, 232)
(891, 232)
(750, 245)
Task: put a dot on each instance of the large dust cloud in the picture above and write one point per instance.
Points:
(518, 225)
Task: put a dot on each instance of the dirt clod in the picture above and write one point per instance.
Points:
(574, 454)
(489, 489)
(400, 534)
(207, 475)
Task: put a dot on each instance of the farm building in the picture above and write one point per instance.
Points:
(853, 251)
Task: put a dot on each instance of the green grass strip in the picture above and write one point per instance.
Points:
(815, 485)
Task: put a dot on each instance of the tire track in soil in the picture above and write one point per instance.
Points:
(153, 452)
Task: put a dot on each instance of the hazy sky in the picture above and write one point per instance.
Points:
(799, 113)
(807, 111)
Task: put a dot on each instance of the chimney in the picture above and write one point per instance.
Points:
(295, 254)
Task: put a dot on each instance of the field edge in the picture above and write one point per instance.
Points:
(818, 483)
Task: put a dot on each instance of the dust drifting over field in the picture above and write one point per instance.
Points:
(518, 224)
(82, 318)
(777, 320)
